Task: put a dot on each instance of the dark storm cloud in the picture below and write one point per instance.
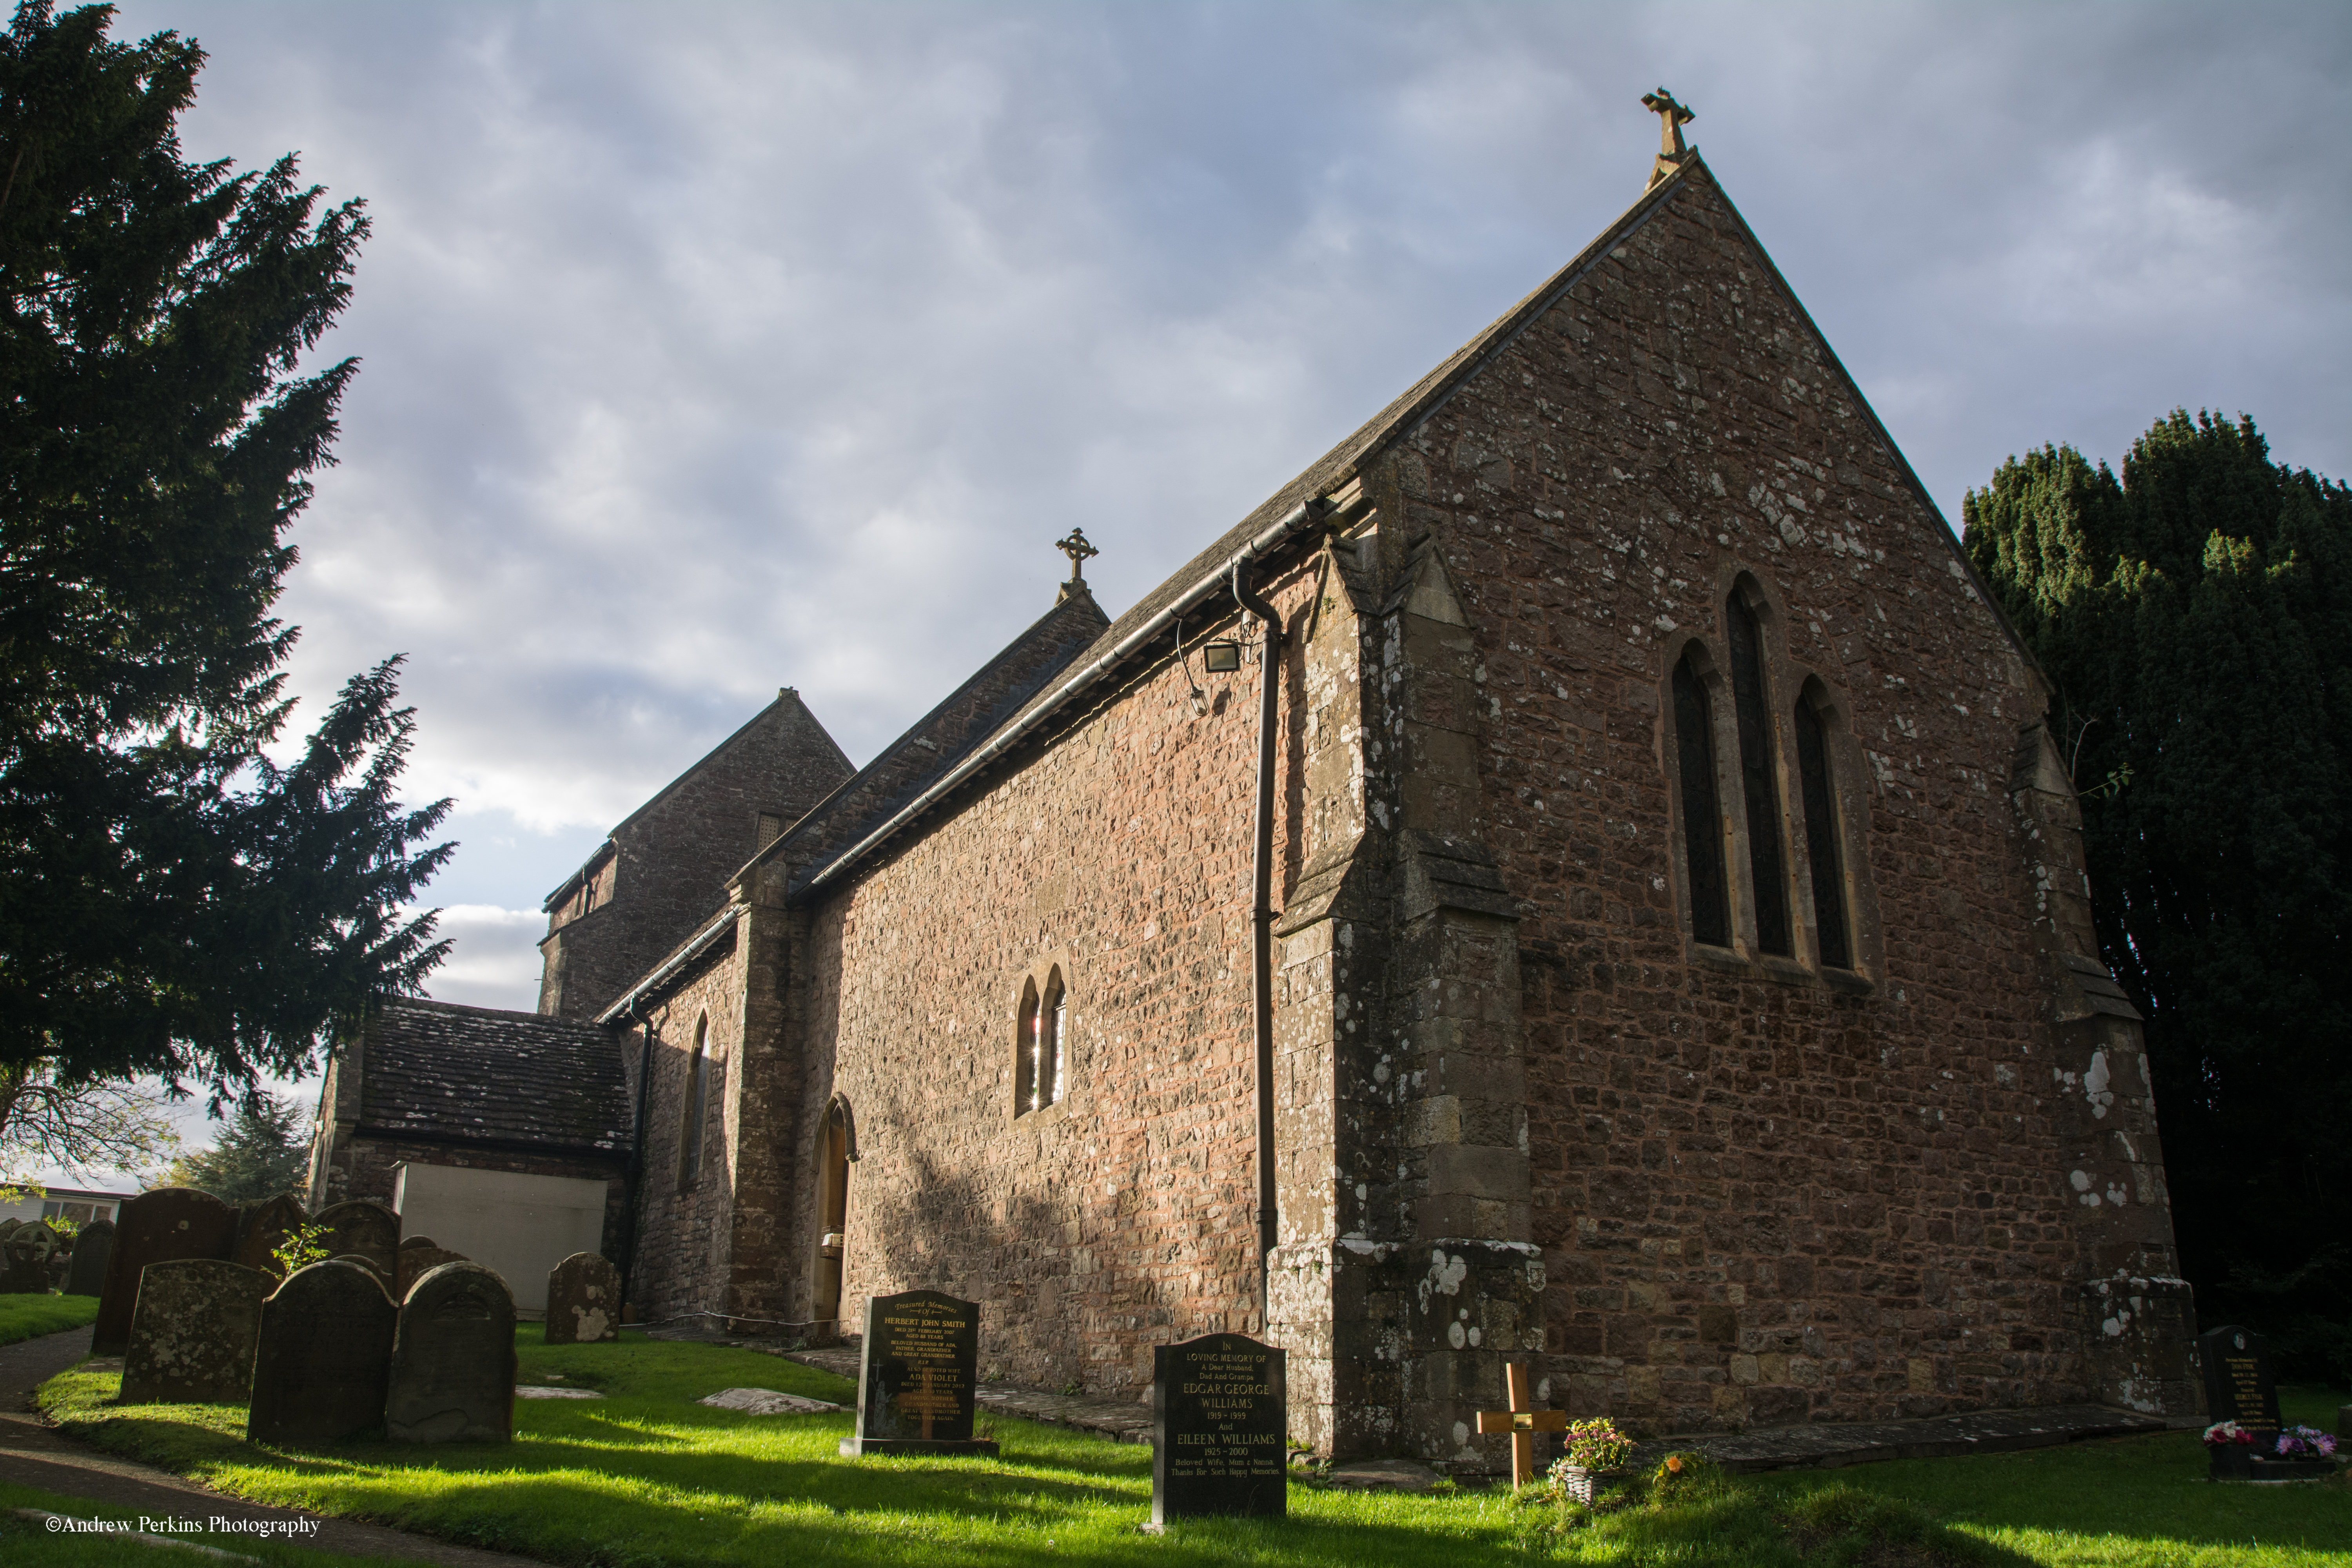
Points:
(710, 349)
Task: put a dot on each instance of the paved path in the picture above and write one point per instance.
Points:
(32, 1454)
(1121, 1420)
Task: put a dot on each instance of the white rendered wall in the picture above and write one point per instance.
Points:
(520, 1225)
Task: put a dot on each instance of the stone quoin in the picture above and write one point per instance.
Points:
(1675, 975)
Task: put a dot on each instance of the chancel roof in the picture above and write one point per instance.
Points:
(443, 1073)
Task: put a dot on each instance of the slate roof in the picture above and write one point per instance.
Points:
(451, 1074)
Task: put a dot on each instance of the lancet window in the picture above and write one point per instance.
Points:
(1711, 895)
(697, 1091)
(1039, 1067)
(1818, 785)
(1766, 880)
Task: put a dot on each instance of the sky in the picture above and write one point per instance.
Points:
(707, 348)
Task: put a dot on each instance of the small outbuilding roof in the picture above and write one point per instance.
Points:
(442, 1073)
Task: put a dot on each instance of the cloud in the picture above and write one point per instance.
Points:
(714, 348)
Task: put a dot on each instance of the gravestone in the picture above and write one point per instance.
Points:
(416, 1262)
(2238, 1381)
(92, 1245)
(383, 1276)
(7, 1226)
(193, 1332)
(324, 1363)
(453, 1362)
(262, 1229)
(916, 1380)
(1220, 1429)
(408, 1241)
(25, 1257)
(362, 1227)
(156, 1227)
(583, 1301)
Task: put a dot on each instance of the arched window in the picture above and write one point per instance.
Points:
(1753, 710)
(1818, 783)
(1710, 897)
(1024, 1052)
(697, 1090)
(1052, 1017)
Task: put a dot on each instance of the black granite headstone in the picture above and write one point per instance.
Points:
(93, 1245)
(325, 1358)
(916, 1380)
(2239, 1386)
(193, 1332)
(155, 1228)
(1220, 1429)
(453, 1365)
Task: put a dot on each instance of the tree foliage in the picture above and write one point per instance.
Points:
(2195, 615)
(264, 1153)
(172, 900)
(103, 1124)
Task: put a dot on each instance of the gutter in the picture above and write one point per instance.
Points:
(695, 947)
(1306, 514)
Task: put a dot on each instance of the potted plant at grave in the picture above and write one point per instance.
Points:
(2229, 1448)
(1596, 1451)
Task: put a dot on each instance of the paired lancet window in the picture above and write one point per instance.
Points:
(1038, 1070)
(1738, 862)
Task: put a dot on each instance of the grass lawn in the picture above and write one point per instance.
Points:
(646, 1477)
(30, 1317)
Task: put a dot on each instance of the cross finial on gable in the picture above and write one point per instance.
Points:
(1077, 548)
(1672, 117)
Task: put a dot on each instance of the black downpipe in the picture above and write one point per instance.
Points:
(635, 1194)
(1261, 920)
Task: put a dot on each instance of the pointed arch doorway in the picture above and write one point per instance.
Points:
(837, 1147)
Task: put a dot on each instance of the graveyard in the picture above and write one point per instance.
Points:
(646, 1473)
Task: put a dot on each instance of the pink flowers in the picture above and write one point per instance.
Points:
(2306, 1441)
(2222, 1434)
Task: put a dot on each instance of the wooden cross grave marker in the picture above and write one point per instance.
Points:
(1522, 1422)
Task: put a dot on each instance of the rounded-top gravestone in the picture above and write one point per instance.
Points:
(453, 1364)
(93, 1244)
(25, 1257)
(263, 1228)
(156, 1227)
(363, 1226)
(416, 1262)
(408, 1241)
(193, 1332)
(583, 1301)
(321, 1373)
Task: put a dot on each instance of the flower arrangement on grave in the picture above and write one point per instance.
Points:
(1595, 1444)
(2305, 1443)
(2227, 1434)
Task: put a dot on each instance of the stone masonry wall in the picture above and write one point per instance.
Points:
(686, 1227)
(1123, 1216)
(674, 854)
(1764, 1193)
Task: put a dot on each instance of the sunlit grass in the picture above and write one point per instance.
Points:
(30, 1317)
(646, 1475)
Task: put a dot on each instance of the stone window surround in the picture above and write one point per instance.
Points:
(1786, 683)
(694, 1119)
(1036, 981)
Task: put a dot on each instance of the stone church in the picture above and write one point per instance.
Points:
(1579, 877)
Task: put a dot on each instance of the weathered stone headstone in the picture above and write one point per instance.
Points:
(408, 1241)
(917, 1386)
(25, 1257)
(362, 1226)
(583, 1301)
(193, 1332)
(453, 1364)
(324, 1363)
(92, 1245)
(383, 1276)
(156, 1227)
(1220, 1426)
(7, 1225)
(416, 1262)
(262, 1229)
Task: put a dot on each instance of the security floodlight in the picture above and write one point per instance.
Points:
(1221, 657)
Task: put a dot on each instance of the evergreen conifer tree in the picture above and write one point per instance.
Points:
(261, 1154)
(2195, 615)
(171, 901)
